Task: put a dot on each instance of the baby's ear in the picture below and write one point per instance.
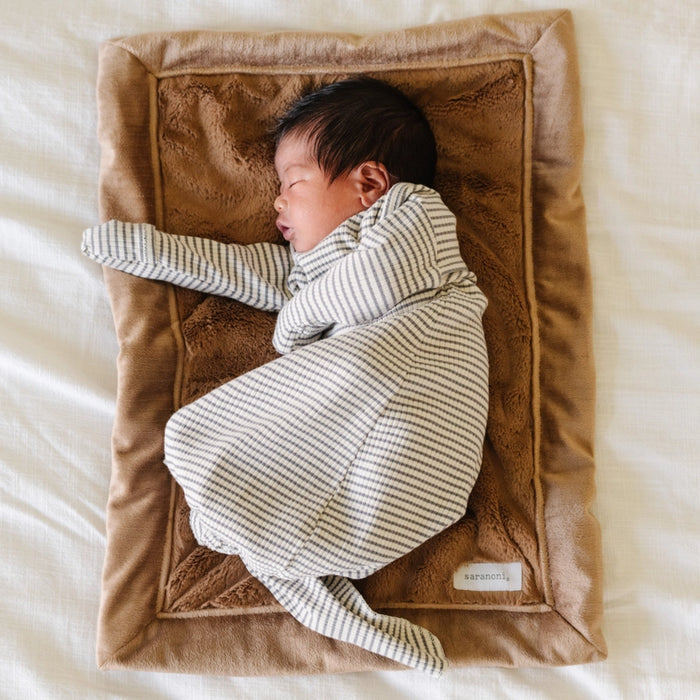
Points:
(374, 181)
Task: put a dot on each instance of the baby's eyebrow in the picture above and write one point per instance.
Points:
(294, 165)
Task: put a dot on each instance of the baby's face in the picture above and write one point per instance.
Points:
(309, 207)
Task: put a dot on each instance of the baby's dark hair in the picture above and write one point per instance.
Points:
(362, 119)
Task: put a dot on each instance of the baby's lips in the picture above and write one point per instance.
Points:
(284, 230)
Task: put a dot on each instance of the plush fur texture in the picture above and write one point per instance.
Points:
(184, 127)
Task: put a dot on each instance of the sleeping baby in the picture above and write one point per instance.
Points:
(364, 439)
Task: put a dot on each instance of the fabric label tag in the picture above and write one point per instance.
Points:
(489, 576)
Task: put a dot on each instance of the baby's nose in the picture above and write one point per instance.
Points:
(280, 204)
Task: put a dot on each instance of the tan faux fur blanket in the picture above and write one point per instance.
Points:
(183, 124)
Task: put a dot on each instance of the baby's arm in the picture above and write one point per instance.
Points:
(254, 274)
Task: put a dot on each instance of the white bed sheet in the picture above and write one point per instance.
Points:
(639, 70)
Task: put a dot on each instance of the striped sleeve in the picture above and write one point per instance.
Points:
(396, 257)
(254, 274)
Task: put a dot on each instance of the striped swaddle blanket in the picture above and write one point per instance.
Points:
(365, 438)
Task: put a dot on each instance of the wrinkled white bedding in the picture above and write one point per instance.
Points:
(639, 70)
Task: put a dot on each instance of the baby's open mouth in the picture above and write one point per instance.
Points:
(286, 231)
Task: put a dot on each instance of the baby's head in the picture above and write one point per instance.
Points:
(339, 149)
